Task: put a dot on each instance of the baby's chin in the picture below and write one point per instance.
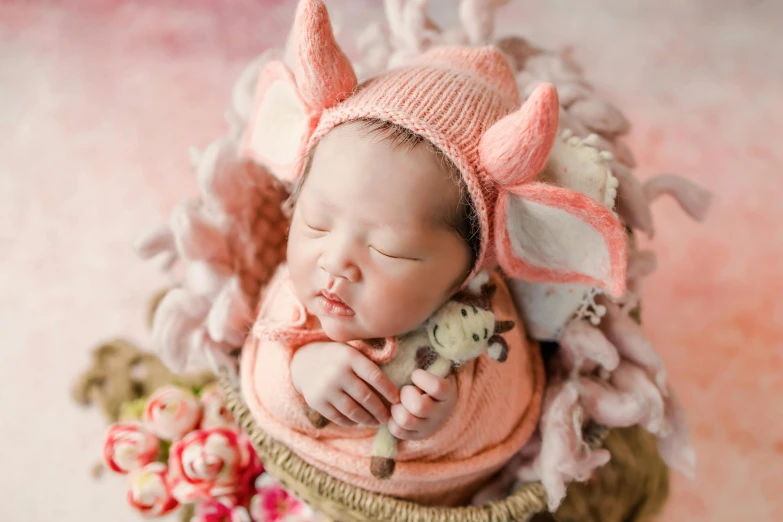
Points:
(342, 330)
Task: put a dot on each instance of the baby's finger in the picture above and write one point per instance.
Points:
(351, 409)
(331, 413)
(416, 402)
(405, 419)
(402, 434)
(367, 398)
(369, 372)
(437, 388)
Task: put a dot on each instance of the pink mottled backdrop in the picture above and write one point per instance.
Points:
(100, 100)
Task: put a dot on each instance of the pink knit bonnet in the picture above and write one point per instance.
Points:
(465, 101)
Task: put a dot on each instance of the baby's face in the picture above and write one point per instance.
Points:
(368, 252)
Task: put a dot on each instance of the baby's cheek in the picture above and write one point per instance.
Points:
(302, 262)
(395, 307)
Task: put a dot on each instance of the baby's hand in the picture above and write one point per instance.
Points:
(342, 384)
(425, 407)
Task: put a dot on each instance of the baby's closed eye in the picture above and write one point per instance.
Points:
(316, 229)
(387, 255)
(315, 226)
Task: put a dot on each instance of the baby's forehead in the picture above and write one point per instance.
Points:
(379, 210)
(412, 184)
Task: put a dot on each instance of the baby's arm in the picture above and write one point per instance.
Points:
(424, 407)
(343, 385)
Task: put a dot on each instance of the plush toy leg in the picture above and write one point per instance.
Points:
(316, 419)
(384, 451)
(441, 367)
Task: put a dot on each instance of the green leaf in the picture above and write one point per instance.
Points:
(164, 450)
(133, 410)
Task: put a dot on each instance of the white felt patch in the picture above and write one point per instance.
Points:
(280, 123)
(547, 308)
(574, 164)
(551, 238)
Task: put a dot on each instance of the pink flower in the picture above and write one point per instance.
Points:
(215, 412)
(129, 446)
(171, 412)
(149, 490)
(272, 503)
(216, 511)
(213, 463)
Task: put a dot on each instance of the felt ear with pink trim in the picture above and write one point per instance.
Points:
(543, 232)
(288, 105)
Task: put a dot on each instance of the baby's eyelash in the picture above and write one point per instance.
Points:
(314, 229)
(384, 254)
(394, 257)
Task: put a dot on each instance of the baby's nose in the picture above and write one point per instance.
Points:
(339, 265)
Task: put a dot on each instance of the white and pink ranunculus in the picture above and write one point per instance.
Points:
(171, 412)
(272, 503)
(128, 446)
(216, 413)
(212, 463)
(217, 511)
(149, 490)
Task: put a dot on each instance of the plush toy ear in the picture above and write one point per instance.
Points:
(498, 348)
(549, 234)
(280, 123)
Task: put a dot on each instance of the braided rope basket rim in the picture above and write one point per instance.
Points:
(341, 501)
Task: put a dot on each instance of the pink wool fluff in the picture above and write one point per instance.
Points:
(586, 382)
(629, 386)
(631, 343)
(230, 239)
(610, 406)
(412, 31)
(641, 264)
(583, 349)
(563, 455)
(614, 374)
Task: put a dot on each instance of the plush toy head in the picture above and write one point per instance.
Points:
(462, 331)
(465, 327)
(464, 101)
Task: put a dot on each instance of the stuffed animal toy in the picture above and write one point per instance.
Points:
(462, 329)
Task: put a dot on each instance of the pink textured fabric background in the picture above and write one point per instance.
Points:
(100, 100)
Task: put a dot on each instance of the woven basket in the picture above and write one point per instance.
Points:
(345, 503)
